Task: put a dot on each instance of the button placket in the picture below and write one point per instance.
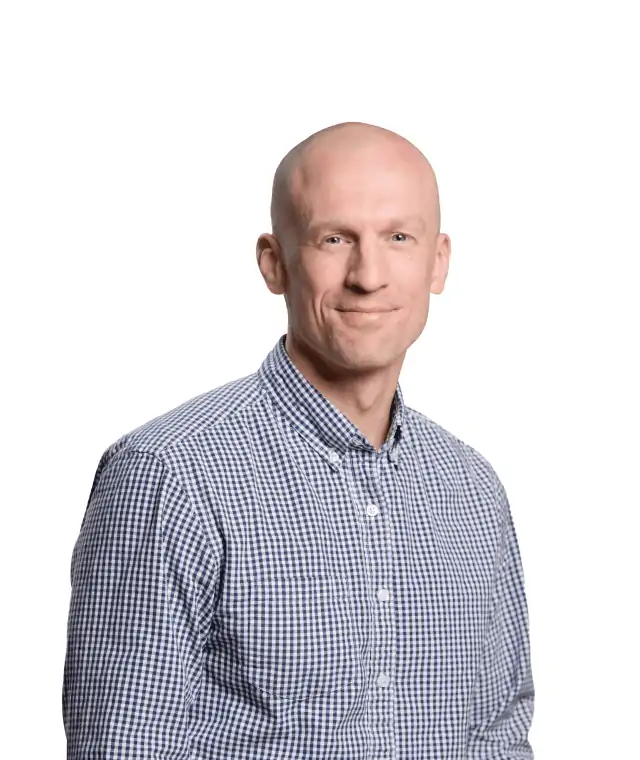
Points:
(372, 510)
(383, 594)
(372, 498)
(381, 530)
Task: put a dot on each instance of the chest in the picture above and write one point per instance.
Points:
(323, 566)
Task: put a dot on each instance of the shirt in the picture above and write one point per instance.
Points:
(253, 579)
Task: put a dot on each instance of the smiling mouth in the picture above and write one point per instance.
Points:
(363, 318)
(366, 311)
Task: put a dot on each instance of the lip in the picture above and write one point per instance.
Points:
(366, 311)
(364, 318)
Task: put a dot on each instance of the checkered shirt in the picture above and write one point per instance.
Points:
(253, 579)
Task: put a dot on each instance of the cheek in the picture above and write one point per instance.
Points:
(303, 286)
(319, 280)
(414, 281)
(415, 286)
(307, 294)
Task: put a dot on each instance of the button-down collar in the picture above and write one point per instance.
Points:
(311, 413)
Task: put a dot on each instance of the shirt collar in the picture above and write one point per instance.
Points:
(311, 413)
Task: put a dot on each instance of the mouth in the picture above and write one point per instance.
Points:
(364, 317)
(366, 311)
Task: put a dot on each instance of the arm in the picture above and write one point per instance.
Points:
(503, 700)
(141, 575)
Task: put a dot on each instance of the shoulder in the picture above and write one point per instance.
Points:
(201, 415)
(458, 463)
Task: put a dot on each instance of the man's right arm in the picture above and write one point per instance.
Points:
(142, 572)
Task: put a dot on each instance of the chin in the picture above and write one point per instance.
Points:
(366, 360)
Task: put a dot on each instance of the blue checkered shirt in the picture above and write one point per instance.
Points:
(252, 579)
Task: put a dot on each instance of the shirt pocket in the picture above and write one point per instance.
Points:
(295, 636)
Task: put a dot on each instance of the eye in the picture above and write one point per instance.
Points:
(399, 237)
(333, 239)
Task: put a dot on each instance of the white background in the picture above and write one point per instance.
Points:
(138, 145)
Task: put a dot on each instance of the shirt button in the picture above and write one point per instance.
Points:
(334, 457)
(383, 594)
(383, 680)
(372, 510)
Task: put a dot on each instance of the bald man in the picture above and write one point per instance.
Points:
(297, 565)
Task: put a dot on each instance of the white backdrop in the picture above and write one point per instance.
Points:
(138, 145)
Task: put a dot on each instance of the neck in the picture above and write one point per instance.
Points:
(364, 398)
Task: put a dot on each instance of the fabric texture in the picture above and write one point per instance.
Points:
(252, 579)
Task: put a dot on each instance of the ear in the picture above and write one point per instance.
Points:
(441, 263)
(270, 262)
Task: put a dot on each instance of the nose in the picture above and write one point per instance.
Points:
(366, 271)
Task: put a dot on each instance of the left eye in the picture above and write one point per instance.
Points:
(399, 237)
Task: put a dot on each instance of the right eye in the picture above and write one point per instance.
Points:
(333, 239)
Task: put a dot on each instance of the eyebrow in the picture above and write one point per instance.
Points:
(391, 224)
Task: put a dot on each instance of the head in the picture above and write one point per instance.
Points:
(355, 247)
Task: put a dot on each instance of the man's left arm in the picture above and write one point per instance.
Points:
(502, 705)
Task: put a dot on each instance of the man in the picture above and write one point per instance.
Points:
(296, 564)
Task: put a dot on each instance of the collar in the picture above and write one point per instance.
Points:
(311, 413)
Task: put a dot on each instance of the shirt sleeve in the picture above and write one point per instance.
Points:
(143, 575)
(503, 700)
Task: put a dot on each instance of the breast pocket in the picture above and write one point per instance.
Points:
(294, 637)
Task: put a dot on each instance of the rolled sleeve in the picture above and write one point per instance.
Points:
(503, 700)
(142, 571)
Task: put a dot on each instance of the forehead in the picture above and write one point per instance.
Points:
(362, 185)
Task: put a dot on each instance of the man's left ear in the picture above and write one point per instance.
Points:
(441, 263)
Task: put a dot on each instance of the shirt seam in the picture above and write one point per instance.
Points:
(189, 435)
(500, 559)
(167, 469)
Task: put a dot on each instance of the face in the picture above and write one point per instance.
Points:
(359, 265)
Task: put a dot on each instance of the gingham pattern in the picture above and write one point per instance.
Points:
(236, 595)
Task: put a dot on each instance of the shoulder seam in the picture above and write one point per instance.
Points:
(228, 415)
(127, 444)
(472, 456)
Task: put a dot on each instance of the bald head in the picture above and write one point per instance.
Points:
(329, 149)
(356, 250)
